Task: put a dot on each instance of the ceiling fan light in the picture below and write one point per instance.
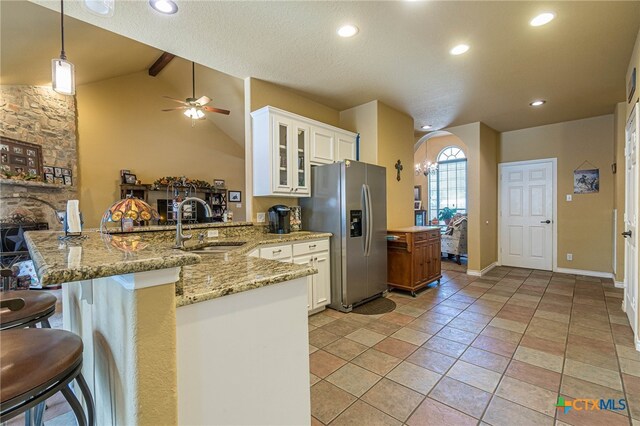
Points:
(194, 113)
(168, 7)
(63, 77)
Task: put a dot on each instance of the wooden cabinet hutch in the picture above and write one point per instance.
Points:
(413, 256)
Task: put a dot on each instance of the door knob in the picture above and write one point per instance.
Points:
(626, 234)
(545, 221)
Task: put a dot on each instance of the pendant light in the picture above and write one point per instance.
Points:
(63, 79)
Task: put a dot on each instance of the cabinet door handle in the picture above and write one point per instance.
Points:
(296, 189)
(312, 246)
(277, 251)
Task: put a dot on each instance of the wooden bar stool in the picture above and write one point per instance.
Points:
(36, 364)
(38, 307)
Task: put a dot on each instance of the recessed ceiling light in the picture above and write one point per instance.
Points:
(538, 102)
(426, 127)
(347, 30)
(542, 19)
(459, 49)
(168, 7)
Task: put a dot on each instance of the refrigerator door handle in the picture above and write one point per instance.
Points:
(369, 208)
(365, 207)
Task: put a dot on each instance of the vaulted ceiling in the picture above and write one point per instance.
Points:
(401, 54)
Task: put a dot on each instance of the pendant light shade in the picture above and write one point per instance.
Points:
(63, 79)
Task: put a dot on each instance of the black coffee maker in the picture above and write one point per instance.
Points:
(279, 222)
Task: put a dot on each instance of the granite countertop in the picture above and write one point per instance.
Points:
(203, 277)
(96, 255)
(414, 229)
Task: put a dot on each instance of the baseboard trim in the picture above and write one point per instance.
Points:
(477, 273)
(597, 274)
(618, 284)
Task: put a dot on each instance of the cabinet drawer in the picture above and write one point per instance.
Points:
(421, 236)
(276, 252)
(307, 247)
(434, 235)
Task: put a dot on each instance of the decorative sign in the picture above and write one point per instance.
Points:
(631, 89)
(586, 181)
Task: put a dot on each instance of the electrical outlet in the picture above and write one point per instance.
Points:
(239, 206)
(261, 217)
(569, 197)
(212, 233)
(569, 256)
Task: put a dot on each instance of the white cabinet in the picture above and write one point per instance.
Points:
(285, 145)
(314, 253)
(280, 155)
(329, 145)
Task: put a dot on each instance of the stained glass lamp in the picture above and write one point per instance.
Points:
(130, 208)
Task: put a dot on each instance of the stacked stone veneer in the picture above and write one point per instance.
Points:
(41, 116)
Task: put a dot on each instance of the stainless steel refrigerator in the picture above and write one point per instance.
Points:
(349, 199)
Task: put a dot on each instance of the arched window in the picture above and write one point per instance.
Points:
(448, 185)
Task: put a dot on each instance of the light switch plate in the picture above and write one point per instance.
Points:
(261, 217)
(569, 197)
(569, 256)
(212, 233)
(239, 206)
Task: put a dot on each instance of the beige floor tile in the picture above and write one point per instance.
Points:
(318, 320)
(345, 348)
(629, 366)
(457, 335)
(539, 358)
(320, 338)
(577, 388)
(409, 310)
(323, 363)
(376, 361)
(434, 413)
(397, 318)
(485, 359)
(414, 377)
(604, 335)
(501, 334)
(553, 316)
(527, 395)
(543, 345)
(366, 337)
(355, 380)
(383, 327)
(397, 348)
(631, 384)
(393, 399)
(341, 327)
(312, 349)
(534, 375)
(434, 361)
(556, 335)
(438, 318)
(496, 346)
(461, 396)
(327, 401)
(425, 326)
(412, 336)
(466, 325)
(502, 412)
(593, 374)
(313, 379)
(628, 353)
(445, 346)
(361, 413)
(473, 375)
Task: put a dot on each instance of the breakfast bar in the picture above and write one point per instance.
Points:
(217, 337)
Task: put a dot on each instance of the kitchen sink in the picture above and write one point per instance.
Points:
(213, 249)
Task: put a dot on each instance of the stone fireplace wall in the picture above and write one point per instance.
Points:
(39, 115)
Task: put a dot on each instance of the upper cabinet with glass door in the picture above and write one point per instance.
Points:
(285, 145)
(280, 154)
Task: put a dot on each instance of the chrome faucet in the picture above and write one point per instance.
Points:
(180, 237)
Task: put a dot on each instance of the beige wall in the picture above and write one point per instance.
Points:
(584, 224)
(259, 93)
(364, 120)
(489, 139)
(119, 129)
(395, 142)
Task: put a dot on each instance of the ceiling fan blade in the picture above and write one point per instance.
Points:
(175, 100)
(203, 100)
(176, 108)
(218, 110)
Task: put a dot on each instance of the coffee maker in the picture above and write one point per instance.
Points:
(279, 222)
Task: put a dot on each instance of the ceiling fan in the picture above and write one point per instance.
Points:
(194, 108)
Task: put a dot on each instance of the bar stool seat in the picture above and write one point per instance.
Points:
(36, 364)
(38, 307)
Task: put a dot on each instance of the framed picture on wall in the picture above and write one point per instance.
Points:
(417, 192)
(20, 157)
(130, 179)
(417, 205)
(235, 196)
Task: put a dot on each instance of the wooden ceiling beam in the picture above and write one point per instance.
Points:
(160, 63)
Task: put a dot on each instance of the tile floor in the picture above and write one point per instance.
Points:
(495, 350)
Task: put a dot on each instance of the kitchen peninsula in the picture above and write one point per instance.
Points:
(175, 337)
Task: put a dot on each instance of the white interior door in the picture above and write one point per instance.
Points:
(526, 214)
(631, 219)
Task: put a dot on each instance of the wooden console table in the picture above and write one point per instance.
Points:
(413, 256)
